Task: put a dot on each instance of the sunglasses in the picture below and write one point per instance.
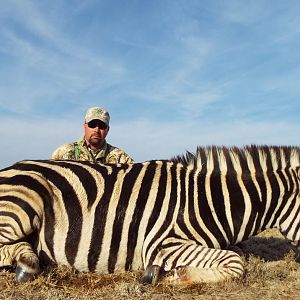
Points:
(97, 123)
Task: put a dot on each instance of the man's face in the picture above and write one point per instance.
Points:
(95, 133)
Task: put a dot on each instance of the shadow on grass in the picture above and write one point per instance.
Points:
(267, 248)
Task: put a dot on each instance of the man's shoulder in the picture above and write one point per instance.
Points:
(117, 155)
(63, 151)
(114, 150)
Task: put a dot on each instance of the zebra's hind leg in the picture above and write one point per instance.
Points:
(23, 258)
(186, 261)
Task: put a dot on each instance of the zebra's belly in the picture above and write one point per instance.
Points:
(88, 259)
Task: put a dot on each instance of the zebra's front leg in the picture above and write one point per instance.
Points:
(23, 258)
(186, 261)
(151, 274)
(201, 264)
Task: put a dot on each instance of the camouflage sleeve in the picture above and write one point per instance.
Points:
(118, 156)
(125, 158)
(64, 152)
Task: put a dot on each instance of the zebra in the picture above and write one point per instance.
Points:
(174, 219)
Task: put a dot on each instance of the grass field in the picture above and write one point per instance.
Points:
(271, 273)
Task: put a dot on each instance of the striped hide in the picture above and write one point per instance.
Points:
(173, 219)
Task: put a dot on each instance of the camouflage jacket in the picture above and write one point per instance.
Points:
(80, 151)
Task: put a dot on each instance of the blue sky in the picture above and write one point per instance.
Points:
(174, 74)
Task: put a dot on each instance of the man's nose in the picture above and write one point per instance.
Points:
(97, 128)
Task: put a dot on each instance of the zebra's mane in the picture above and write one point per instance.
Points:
(268, 157)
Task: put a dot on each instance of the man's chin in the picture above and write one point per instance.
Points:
(96, 142)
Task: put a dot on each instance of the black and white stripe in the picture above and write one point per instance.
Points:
(175, 214)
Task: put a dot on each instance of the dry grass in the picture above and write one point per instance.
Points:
(271, 273)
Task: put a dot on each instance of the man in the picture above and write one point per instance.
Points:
(93, 146)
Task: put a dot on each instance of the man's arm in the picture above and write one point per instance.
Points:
(63, 152)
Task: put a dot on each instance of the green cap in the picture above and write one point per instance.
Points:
(97, 113)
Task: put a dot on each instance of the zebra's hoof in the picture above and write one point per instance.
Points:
(23, 276)
(151, 275)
